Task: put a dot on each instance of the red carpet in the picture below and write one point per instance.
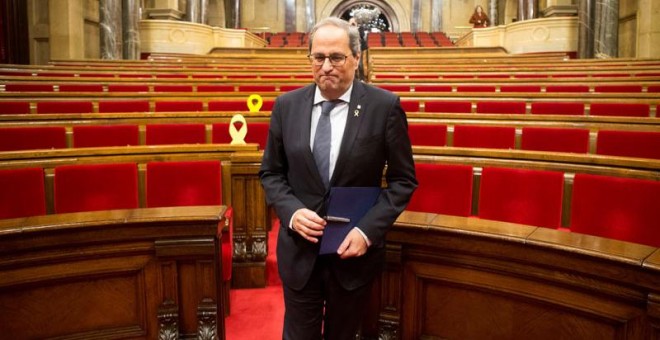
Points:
(258, 313)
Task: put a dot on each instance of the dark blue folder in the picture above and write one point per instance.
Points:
(346, 202)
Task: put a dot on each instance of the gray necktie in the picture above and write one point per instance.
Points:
(322, 140)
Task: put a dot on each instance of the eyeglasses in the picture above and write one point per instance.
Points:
(336, 59)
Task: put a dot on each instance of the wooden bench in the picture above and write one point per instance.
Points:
(137, 273)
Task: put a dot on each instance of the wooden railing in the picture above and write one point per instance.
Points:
(138, 274)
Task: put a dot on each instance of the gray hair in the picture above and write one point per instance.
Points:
(352, 31)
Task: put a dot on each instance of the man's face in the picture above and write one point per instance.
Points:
(333, 80)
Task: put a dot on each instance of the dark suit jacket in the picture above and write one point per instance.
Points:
(375, 136)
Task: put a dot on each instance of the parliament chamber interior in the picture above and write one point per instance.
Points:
(132, 134)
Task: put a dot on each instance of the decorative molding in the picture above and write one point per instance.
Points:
(560, 11)
(164, 14)
(259, 248)
(240, 248)
(207, 316)
(388, 330)
(168, 321)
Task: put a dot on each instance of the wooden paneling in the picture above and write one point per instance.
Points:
(107, 274)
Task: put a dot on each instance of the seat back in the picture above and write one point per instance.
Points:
(105, 135)
(643, 144)
(31, 138)
(22, 193)
(494, 137)
(555, 139)
(95, 187)
(532, 197)
(443, 189)
(161, 134)
(428, 134)
(618, 208)
(183, 183)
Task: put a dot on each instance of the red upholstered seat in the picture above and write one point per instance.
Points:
(432, 88)
(127, 88)
(428, 134)
(238, 105)
(105, 135)
(215, 88)
(173, 88)
(183, 183)
(653, 89)
(501, 107)
(494, 137)
(81, 88)
(475, 88)
(443, 189)
(644, 144)
(220, 133)
(179, 106)
(65, 107)
(14, 107)
(620, 109)
(567, 88)
(95, 187)
(618, 88)
(395, 88)
(448, 106)
(256, 88)
(257, 133)
(28, 87)
(31, 138)
(118, 106)
(22, 193)
(520, 88)
(410, 105)
(532, 197)
(618, 208)
(555, 139)
(557, 108)
(160, 134)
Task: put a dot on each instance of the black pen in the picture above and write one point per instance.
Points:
(336, 219)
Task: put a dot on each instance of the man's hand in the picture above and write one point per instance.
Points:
(354, 245)
(308, 224)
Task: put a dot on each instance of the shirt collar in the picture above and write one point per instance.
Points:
(346, 97)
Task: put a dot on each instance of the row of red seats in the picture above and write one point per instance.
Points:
(537, 108)
(549, 88)
(124, 106)
(408, 39)
(54, 137)
(296, 72)
(612, 207)
(410, 106)
(131, 87)
(95, 187)
(499, 74)
(643, 144)
(502, 87)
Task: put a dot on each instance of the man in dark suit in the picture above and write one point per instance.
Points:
(337, 132)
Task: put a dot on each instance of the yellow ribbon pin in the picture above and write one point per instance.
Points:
(254, 102)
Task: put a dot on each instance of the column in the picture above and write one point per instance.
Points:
(204, 12)
(290, 15)
(416, 16)
(649, 29)
(492, 12)
(192, 11)
(585, 29)
(131, 33)
(66, 28)
(310, 12)
(606, 29)
(233, 13)
(436, 16)
(527, 9)
(110, 29)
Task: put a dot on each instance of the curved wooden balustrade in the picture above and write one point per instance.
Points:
(117, 274)
(464, 278)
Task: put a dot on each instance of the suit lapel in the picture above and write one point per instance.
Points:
(305, 114)
(356, 113)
